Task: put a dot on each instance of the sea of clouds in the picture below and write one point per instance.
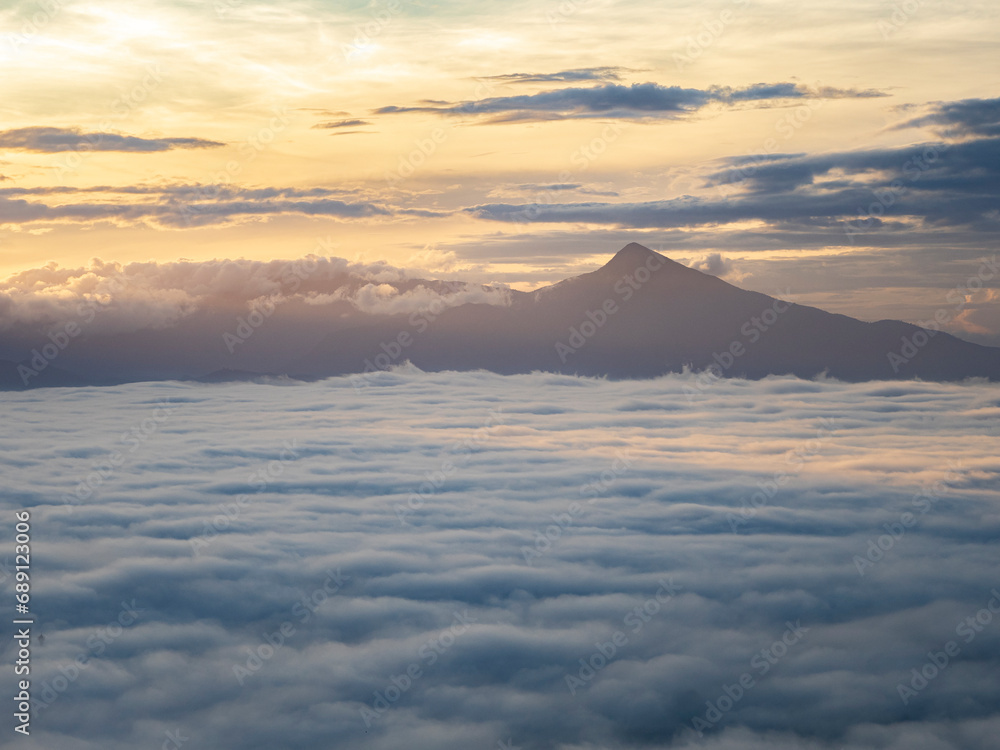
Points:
(468, 560)
(135, 296)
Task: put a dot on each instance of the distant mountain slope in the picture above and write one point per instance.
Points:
(640, 315)
(643, 314)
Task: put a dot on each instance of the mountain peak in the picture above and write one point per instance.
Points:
(633, 255)
(634, 250)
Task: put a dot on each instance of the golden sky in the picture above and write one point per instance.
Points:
(518, 142)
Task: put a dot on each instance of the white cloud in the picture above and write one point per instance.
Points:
(714, 264)
(291, 484)
(115, 298)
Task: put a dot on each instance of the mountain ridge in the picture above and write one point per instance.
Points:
(639, 315)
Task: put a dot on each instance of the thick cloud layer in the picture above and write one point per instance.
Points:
(423, 561)
(604, 73)
(187, 206)
(49, 140)
(154, 295)
(872, 197)
(966, 117)
(638, 101)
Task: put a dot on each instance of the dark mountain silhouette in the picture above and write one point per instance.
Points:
(640, 315)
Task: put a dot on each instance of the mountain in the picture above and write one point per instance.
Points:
(13, 377)
(640, 315)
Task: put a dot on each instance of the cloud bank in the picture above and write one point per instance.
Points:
(118, 297)
(49, 140)
(187, 206)
(966, 117)
(449, 561)
(604, 73)
(638, 101)
(866, 197)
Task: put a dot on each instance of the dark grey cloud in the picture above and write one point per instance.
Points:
(638, 101)
(556, 187)
(49, 140)
(941, 184)
(966, 117)
(340, 124)
(185, 191)
(606, 73)
(183, 214)
(970, 167)
(180, 206)
(679, 212)
(294, 490)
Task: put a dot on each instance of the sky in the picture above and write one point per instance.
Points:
(253, 565)
(846, 151)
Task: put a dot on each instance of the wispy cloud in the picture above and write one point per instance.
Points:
(49, 140)
(925, 185)
(182, 206)
(638, 101)
(340, 124)
(607, 73)
(741, 450)
(966, 117)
